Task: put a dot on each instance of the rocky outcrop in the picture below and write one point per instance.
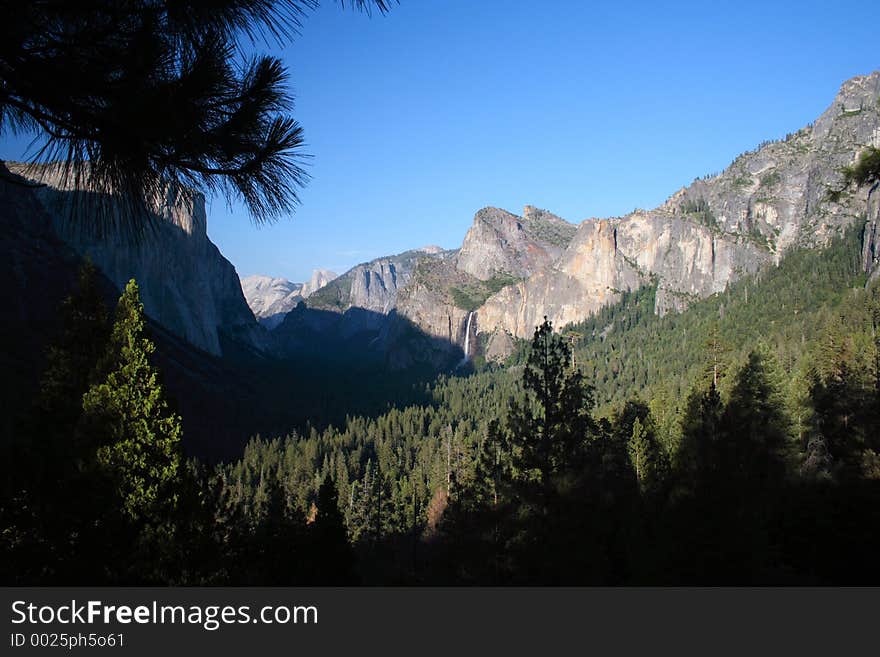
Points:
(499, 249)
(871, 236)
(511, 270)
(371, 286)
(356, 308)
(714, 231)
(270, 299)
(501, 243)
(429, 303)
(186, 284)
(320, 278)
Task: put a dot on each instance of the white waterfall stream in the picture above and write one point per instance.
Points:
(467, 339)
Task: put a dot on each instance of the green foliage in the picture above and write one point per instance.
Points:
(699, 210)
(474, 293)
(139, 436)
(551, 427)
(649, 460)
(743, 180)
(553, 232)
(633, 352)
(116, 502)
(770, 180)
(866, 171)
(335, 295)
(760, 420)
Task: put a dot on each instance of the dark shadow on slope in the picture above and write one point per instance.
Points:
(332, 365)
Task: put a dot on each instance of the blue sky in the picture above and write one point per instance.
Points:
(417, 119)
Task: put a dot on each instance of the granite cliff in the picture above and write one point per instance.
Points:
(513, 270)
(715, 230)
(186, 284)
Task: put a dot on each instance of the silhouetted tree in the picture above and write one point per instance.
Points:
(755, 428)
(550, 428)
(332, 556)
(150, 92)
(52, 502)
(699, 455)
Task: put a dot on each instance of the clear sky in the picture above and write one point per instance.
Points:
(417, 119)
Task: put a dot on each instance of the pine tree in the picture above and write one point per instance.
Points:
(137, 95)
(555, 445)
(648, 458)
(277, 539)
(139, 435)
(550, 428)
(836, 398)
(699, 453)
(333, 559)
(717, 355)
(73, 358)
(755, 427)
(55, 502)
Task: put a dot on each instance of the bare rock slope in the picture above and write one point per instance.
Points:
(271, 299)
(513, 270)
(714, 231)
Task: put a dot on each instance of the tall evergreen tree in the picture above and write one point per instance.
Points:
(332, 556)
(52, 500)
(755, 427)
(138, 434)
(72, 360)
(837, 399)
(648, 459)
(550, 428)
(699, 454)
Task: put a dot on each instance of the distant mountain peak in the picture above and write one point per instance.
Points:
(270, 298)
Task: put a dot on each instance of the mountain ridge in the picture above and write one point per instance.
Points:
(702, 238)
(271, 299)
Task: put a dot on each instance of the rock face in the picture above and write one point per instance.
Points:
(186, 284)
(371, 286)
(511, 270)
(271, 299)
(501, 243)
(320, 278)
(499, 250)
(871, 237)
(712, 232)
(357, 307)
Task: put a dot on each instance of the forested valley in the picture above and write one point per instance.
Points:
(737, 442)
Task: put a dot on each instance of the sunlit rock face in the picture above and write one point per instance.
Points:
(501, 243)
(271, 299)
(717, 229)
(513, 270)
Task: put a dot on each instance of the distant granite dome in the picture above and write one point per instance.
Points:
(271, 299)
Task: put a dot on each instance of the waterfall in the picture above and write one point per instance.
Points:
(467, 338)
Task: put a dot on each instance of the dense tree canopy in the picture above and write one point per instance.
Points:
(646, 463)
